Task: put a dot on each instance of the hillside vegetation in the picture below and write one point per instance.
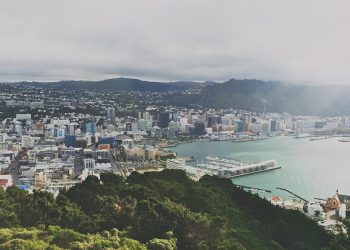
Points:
(163, 210)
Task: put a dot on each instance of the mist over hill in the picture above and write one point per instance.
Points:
(256, 95)
(249, 94)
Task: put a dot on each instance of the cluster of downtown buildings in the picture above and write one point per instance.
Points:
(51, 139)
(234, 124)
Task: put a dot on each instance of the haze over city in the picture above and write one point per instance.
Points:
(295, 41)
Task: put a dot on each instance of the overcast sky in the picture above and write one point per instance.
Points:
(292, 41)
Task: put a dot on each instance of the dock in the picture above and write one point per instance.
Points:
(254, 188)
(254, 172)
(288, 191)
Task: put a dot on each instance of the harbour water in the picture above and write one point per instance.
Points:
(309, 168)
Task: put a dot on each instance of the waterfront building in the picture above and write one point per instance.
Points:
(213, 121)
(135, 154)
(199, 128)
(338, 206)
(239, 126)
(273, 126)
(228, 119)
(334, 202)
(345, 200)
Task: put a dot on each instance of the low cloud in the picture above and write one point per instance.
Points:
(296, 41)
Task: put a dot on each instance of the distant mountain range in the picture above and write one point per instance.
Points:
(118, 84)
(254, 95)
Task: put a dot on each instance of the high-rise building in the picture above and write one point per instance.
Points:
(90, 128)
(164, 119)
(273, 126)
(239, 126)
(146, 116)
(213, 120)
(199, 128)
(128, 126)
(319, 124)
(111, 116)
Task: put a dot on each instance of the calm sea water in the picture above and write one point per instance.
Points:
(309, 168)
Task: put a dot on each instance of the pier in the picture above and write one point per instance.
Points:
(254, 172)
(301, 198)
(254, 188)
(230, 168)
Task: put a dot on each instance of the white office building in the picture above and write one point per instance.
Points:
(89, 163)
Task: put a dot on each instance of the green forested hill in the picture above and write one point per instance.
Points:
(157, 211)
